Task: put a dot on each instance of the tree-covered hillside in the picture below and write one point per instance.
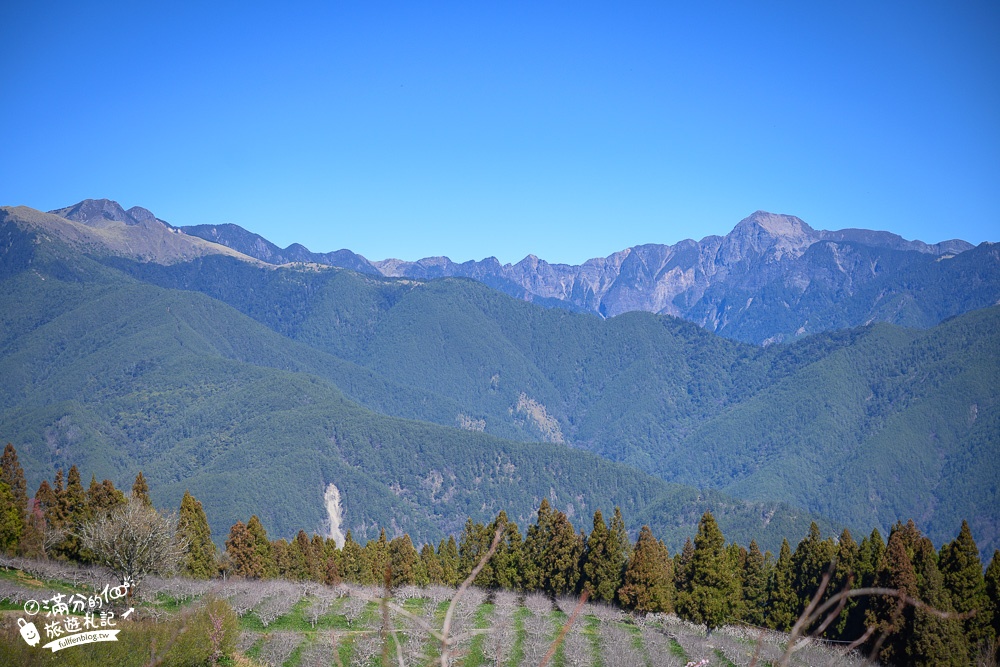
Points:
(867, 426)
(117, 375)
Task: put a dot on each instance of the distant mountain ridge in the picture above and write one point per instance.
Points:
(772, 278)
(111, 359)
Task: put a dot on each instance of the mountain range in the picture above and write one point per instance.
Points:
(772, 278)
(256, 376)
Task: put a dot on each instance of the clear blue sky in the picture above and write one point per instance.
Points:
(565, 129)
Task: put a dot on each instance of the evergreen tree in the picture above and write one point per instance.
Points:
(12, 474)
(532, 578)
(140, 490)
(618, 537)
(302, 559)
(473, 543)
(448, 559)
(431, 565)
(54, 507)
(33, 539)
(782, 601)
(992, 581)
(810, 563)
(403, 559)
(754, 586)
(682, 568)
(192, 526)
(850, 624)
(332, 565)
(935, 640)
(103, 497)
(604, 562)
(281, 553)
(241, 552)
(558, 571)
(870, 554)
(963, 579)
(889, 615)
(317, 566)
(713, 593)
(265, 564)
(648, 579)
(72, 502)
(505, 565)
(377, 555)
(11, 520)
(352, 560)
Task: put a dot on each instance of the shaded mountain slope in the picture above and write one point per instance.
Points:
(116, 376)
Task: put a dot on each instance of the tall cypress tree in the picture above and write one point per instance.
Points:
(281, 554)
(887, 614)
(265, 563)
(103, 497)
(431, 564)
(303, 559)
(782, 601)
(192, 526)
(240, 551)
(12, 474)
(850, 624)
(963, 579)
(317, 566)
(935, 640)
(11, 520)
(332, 563)
(448, 558)
(992, 581)
(754, 586)
(73, 512)
(713, 594)
(473, 543)
(682, 568)
(503, 570)
(140, 490)
(561, 563)
(602, 569)
(352, 559)
(870, 554)
(810, 563)
(403, 559)
(532, 576)
(377, 555)
(648, 582)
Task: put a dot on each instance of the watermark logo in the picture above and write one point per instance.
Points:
(65, 627)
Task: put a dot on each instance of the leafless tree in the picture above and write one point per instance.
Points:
(366, 647)
(617, 647)
(278, 647)
(134, 540)
(246, 640)
(319, 654)
(577, 648)
(353, 607)
(659, 647)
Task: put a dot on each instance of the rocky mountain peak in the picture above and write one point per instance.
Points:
(770, 233)
(140, 214)
(95, 212)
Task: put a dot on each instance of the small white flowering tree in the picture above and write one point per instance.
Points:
(134, 540)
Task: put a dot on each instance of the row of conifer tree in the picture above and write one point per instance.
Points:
(707, 582)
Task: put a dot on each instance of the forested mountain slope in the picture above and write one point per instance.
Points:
(772, 278)
(866, 425)
(116, 375)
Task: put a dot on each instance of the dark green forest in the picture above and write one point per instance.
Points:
(943, 609)
(256, 387)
